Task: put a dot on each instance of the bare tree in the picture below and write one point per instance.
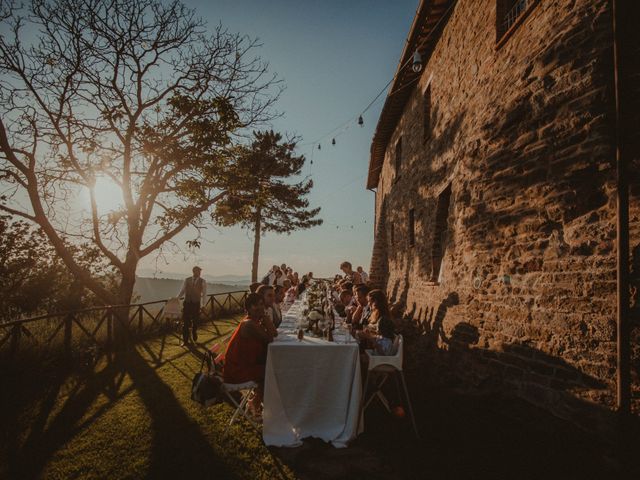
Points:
(137, 91)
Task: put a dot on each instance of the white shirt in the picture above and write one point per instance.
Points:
(202, 282)
(364, 276)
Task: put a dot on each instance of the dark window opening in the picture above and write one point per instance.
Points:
(510, 13)
(398, 157)
(426, 114)
(412, 228)
(440, 233)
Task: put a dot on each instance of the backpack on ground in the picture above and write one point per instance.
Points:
(206, 388)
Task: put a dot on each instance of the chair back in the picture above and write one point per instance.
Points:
(393, 361)
(172, 308)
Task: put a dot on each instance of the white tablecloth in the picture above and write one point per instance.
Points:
(312, 388)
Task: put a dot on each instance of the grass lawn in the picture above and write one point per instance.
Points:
(130, 416)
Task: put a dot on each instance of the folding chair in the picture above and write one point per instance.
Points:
(246, 390)
(382, 367)
(215, 359)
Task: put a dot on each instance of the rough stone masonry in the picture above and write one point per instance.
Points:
(495, 202)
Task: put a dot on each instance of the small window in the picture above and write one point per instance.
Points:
(426, 114)
(398, 157)
(440, 233)
(509, 14)
(412, 228)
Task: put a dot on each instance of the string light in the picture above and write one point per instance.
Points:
(417, 65)
(417, 62)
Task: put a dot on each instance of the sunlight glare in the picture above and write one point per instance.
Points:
(108, 195)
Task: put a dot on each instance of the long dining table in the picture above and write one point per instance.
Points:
(312, 386)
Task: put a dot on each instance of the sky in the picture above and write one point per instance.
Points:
(334, 57)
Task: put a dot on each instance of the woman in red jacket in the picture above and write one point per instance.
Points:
(246, 355)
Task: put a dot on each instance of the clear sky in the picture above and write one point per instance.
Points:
(334, 57)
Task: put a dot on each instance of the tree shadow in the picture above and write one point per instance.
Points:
(37, 423)
(178, 444)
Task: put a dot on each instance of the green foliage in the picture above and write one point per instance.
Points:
(262, 191)
(33, 278)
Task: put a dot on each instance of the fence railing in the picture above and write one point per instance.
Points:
(100, 327)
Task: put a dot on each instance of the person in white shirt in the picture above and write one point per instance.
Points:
(194, 291)
(363, 275)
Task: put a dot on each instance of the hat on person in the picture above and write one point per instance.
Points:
(196, 268)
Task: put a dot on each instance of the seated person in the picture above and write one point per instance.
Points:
(346, 296)
(379, 333)
(246, 355)
(277, 305)
(268, 294)
(360, 316)
(304, 283)
(291, 295)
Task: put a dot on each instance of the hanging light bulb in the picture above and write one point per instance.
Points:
(417, 62)
(319, 147)
(333, 141)
(311, 162)
(360, 121)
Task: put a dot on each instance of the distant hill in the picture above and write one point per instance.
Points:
(153, 289)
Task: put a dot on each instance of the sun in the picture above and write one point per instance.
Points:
(108, 195)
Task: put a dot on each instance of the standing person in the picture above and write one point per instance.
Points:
(194, 291)
(296, 279)
(363, 275)
(349, 274)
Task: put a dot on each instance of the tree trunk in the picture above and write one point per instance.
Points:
(256, 246)
(121, 334)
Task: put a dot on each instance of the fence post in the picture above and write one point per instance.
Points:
(67, 334)
(109, 328)
(16, 331)
(140, 320)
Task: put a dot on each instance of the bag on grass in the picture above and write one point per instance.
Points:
(205, 387)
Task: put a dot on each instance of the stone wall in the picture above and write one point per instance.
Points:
(524, 134)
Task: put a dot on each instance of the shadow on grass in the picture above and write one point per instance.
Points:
(44, 407)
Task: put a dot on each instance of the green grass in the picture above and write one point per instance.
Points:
(129, 416)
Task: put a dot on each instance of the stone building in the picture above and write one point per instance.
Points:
(494, 173)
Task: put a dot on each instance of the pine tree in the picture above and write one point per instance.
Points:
(265, 201)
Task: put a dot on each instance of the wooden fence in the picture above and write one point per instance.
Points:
(77, 331)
